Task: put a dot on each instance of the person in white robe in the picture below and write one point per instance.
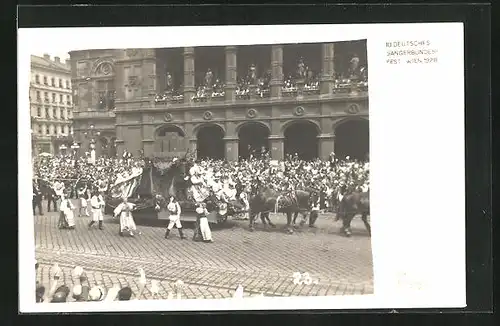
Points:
(229, 189)
(244, 200)
(198, 184)
(82, 200)
(174, 208)
(66, 207)
(124, 210)
(204, 228)
(97, 205)
(58, 187)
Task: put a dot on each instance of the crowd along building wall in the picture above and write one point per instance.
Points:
(136, 121)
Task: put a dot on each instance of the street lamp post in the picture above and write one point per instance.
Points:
(62, 149)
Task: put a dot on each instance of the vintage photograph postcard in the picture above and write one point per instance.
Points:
(241, 172)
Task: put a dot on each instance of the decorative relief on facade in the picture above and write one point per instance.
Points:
(207, 115)
(149, 52)
(299, 111)
(104, 67)
(251, 113)
(353, 109)
(132, 52)
(168, 117)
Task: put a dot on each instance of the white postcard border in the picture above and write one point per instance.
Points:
(417, 164)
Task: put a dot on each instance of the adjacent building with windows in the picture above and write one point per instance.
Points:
(224, 102)
(51, 104)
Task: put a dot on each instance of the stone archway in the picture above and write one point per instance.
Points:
(170, 139)
(102, 146)
(253, 138)
(352, 138)
(301, 139)
(112, 147)
(210, 142)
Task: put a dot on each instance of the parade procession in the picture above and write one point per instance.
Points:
(210, 189)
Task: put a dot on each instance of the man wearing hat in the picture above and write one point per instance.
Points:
(96, 293)
(315, 203)
(37, 197)
(175, 217)
(61, 294)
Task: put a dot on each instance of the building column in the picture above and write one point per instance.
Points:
(276, 144)
(231, 73)
(231, 144)
(326, 145)
(276, 70)
(148, 147)
(189, 82)
(327, 78)
(193, 146)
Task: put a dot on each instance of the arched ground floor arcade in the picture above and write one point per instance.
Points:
(306, 139)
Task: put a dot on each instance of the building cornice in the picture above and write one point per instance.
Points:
(37, 67)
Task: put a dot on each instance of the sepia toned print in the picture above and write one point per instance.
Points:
(202, 173)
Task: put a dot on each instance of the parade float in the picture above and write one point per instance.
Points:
(151, 186)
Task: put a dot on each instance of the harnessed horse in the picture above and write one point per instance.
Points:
(265, 200)
(351, 205)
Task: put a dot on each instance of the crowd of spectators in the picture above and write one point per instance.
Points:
(304, 79)
(70, 170)
(77, 287)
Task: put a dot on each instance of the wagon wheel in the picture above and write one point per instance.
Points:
(222, 219)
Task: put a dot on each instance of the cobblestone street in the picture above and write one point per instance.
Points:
(262, 262)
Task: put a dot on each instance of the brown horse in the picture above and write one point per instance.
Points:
(351, 205)
(265, 200)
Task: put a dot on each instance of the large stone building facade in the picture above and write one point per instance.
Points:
(51, 104)
(224, 102)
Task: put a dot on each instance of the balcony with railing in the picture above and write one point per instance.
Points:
(94, 114)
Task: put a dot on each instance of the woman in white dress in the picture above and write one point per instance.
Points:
(204, 228)
(66, 207)
(127, 223)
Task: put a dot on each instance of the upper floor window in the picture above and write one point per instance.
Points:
(38, 111)
(53, 82)
(61, 98)
(68, 99)
(47, 114)
(39, 129)
(62, 114)
(37, 79)
(38, 97)
(67, 84)
(54, 113)
(45, 80)
(60, 83)
(53, 97)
